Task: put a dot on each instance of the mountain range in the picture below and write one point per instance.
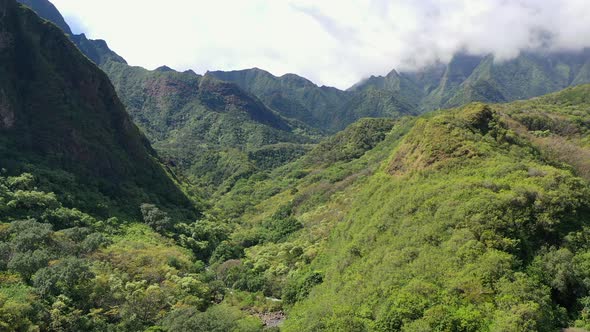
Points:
(279, 116)
(466, 78)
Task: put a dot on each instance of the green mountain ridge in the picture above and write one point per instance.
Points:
(291, 95)
(466, 78)
(47, 10)
(97, 50)
(210, 129)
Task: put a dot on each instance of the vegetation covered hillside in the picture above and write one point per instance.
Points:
(86, 243)
(62, 121)
(64, 270)
(472, 219)
(74, 172)
(47, 10)
(469, 233)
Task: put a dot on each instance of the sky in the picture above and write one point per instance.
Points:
(331, 42)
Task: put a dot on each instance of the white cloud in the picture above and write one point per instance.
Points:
(332, 42)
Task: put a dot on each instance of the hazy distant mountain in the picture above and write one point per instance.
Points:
(482, 78)
(464, 79)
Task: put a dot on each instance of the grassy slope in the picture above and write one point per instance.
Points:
(451, 224)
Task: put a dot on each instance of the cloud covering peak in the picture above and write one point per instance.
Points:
(332, 42)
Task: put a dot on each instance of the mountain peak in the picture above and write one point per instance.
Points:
(47, 10)
(190, 72)
(164, 69)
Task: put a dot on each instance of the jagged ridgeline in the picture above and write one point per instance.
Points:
(61, 120)
(466, 78)
(325, 108)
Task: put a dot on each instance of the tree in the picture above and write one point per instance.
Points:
(66, 317)
(70, 277)
(202, 237)
(15, 315)
(219, 318)
(144, 305)
(29, 235)
(27, 263)
(156, 218)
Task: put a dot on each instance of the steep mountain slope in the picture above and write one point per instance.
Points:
(472, 219)
(96, 50)
(394, 82)
(62, 121)
(47, 10)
